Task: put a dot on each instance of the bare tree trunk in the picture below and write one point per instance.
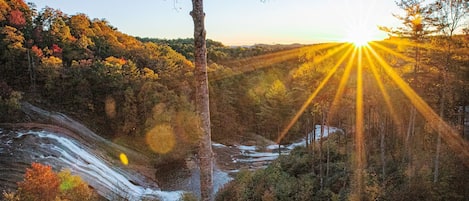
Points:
(347, 152)
(382, 148)
(438, 142)
(461, 119)
(313, 140)
(417, 59)
(410, 133)
(321, 171)
(279, 142)
(202, 101)
(32, 78)
(442, 109)
(328, 153)
(437, 157)
(307, 133)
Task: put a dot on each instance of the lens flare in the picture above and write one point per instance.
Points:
(124, 159)
(161, 139)
(384, 93)
(342, 85)
(359, 133)
(266, 60)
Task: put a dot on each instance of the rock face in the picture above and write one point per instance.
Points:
(22, 147)
(71, 145)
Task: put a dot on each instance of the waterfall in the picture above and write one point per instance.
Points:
(59, 151)
(66, 143)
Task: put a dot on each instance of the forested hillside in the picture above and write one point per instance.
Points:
(85, 67)
(125, 87)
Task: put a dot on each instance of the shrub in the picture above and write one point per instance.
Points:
(41, 183)
(73, 188)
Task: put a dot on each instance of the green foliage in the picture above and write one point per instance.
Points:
(73, 188)
(292, 177)
(9, 102)
(216, 51)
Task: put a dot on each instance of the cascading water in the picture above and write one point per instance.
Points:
(72, 145)
(21, 148)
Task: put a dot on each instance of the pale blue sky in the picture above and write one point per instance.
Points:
(238, 22)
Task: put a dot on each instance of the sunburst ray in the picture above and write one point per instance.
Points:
(313, 95)
(266, 60)
(342, 85)
(449, 135)
(384, 93)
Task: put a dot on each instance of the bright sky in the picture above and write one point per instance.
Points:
(240, 22)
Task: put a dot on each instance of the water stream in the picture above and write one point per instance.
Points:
(22, 147)
(65, 143)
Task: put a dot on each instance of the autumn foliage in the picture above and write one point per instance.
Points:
(42, 183)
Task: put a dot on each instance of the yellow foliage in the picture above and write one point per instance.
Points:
(4, 9)
(73, 188)
(149, 74)
(115, 61)
(51, 61)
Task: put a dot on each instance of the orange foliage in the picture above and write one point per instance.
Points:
(37, 51)
(16, 18)
(40, 183)
(116, 61)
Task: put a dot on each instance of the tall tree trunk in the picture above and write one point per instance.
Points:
(313, 140)
(442, 108)
(417, 59)
(438, 142)
(321, 171)
(279, 142)
(202, 100)
(462, 120)
(408, 143)
(32, 77)
(328, 152)
(382, 130)
(307, 132)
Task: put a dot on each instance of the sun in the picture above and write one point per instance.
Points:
(359, 36)
(360, 28)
